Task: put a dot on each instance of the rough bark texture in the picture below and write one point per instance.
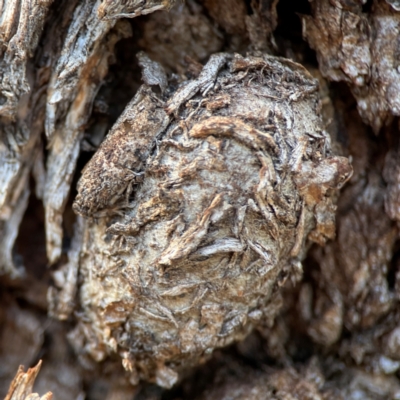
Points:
(361, 50)
(235, 234)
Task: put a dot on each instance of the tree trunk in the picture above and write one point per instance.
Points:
(199, 199)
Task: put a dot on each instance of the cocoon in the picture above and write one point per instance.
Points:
(200, 203)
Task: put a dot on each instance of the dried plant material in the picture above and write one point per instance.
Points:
(61, 379)
(19, 36)
(360, 49)
(22, 385)
(201, 212)
(184, 31)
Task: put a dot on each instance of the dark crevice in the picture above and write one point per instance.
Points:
(123, 78)
(289, 21)
(249, 8)
(367, 7)
(394, 268)
(30, 244)
(288, 34)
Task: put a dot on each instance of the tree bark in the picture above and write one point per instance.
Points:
(199, 199)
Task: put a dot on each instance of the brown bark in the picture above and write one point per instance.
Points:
(235, 234)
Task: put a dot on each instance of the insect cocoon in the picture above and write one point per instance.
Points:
(199, 204)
